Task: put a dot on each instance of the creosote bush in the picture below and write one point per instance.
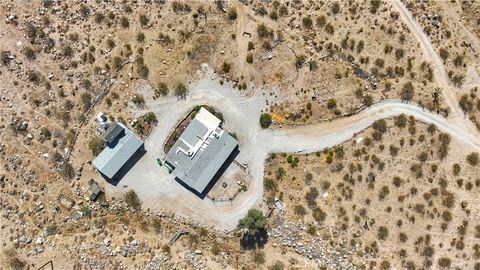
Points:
(132, 200)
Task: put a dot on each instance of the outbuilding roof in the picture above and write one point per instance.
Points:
(117, 152)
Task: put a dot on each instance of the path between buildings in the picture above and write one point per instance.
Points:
(159, 192)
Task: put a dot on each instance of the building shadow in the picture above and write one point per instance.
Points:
(215, 178)
(114, 181)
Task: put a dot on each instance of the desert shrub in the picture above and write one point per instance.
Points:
(382, 233)
(138, 99)
(319, 215)
(140, 37)
(150, 118)
(380, 125)
(332, 104)
(124, 22)
(259, 257)
(96, 145)
(29, 53)
(162, 89)
(329, 29)
(432, 128)
(264, 32)
(180, 90)
(226, 67)
(5, 57)
(385, 264)
(444, 262)
(249, 58)
(458, 61)
(166, 249)
(251, 46)
(17, 264)
(299, 210)
(407, 91)
(399, 53)
(99, 17)
(86, 99)
(466, 104)
(132, 200)
(143, 20)
(232, 14)
(374, 5)
(444, 54)
(307, 22)
(269, 184)
(444, 139)
(400, 121)
(266, 45)
(335, 9)
(321, 21)
(265, 120)
(473, 159)
(403, 237)
(311, 197)
(278, 265)
(283, 11)
(299, 60)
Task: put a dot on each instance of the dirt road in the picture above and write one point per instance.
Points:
(160, 192)
(440, 75)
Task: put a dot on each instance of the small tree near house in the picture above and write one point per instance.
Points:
(254, 222)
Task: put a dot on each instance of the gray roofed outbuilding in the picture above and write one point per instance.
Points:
(117, 152)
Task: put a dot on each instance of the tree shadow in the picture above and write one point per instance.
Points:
(257, 240)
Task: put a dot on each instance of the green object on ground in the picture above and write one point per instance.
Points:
(159, 162)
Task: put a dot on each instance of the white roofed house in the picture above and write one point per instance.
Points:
(198, 155)
(122, 151)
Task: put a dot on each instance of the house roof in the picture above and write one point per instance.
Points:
(112, 132)
(200, 151)
(117, 152)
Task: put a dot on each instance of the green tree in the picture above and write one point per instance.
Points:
(254, 222)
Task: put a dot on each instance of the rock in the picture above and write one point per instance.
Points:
(40, 249)
(23, 126)
(107, 242)
(198, 252)
(39, 241)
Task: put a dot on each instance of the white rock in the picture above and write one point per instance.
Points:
(39, 241)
